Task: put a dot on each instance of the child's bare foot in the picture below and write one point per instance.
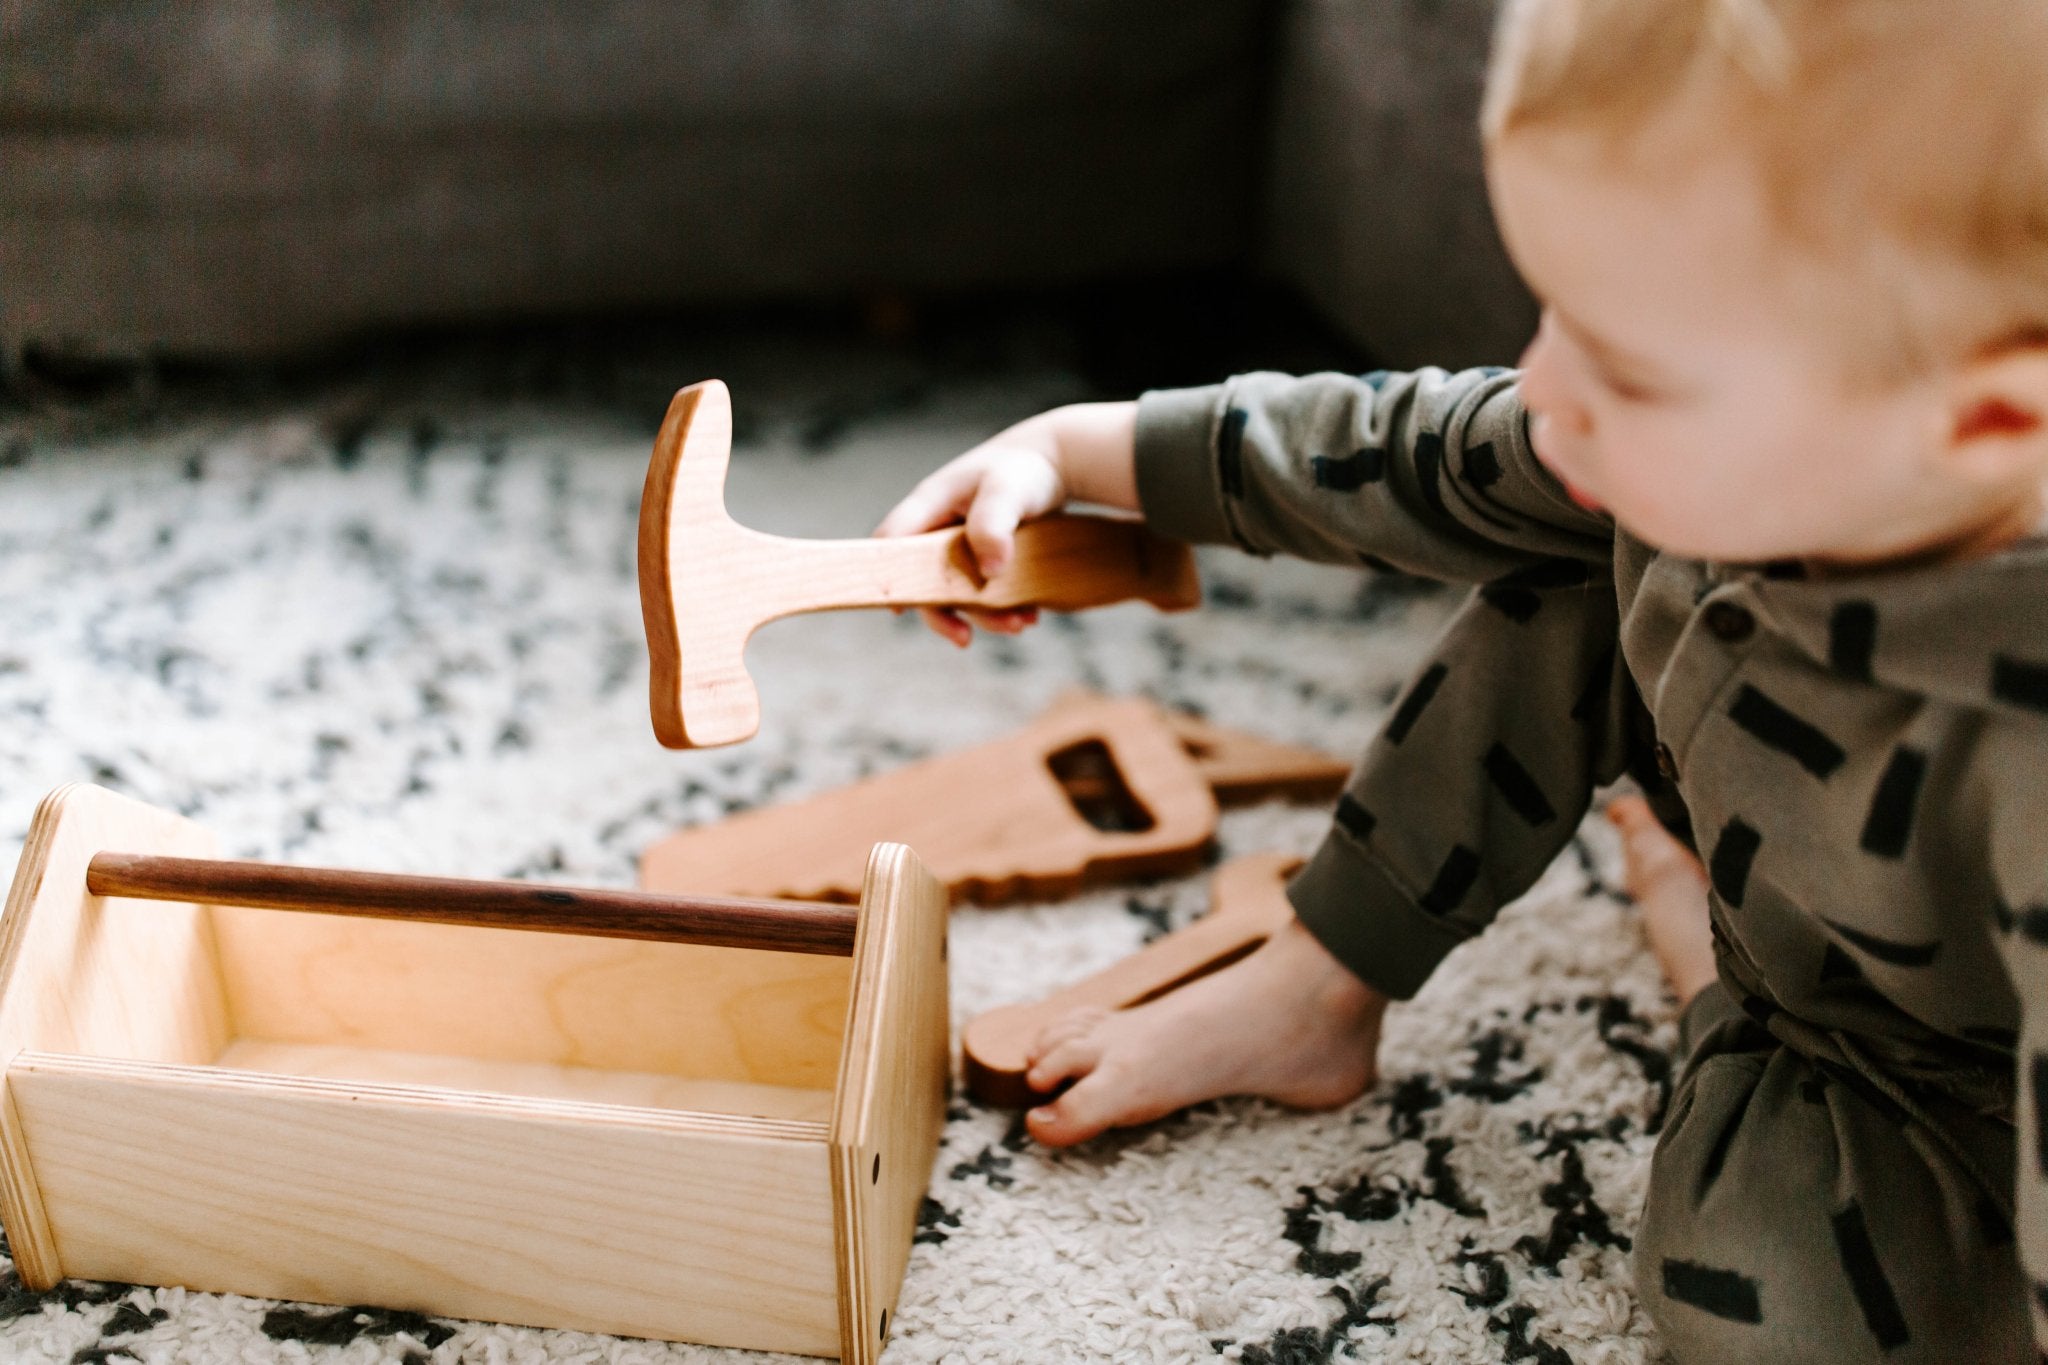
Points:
(1670, 886)
(1289, 1022)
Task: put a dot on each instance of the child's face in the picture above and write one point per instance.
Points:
(1677, 380)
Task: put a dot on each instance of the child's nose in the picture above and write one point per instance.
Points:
(1546, 391)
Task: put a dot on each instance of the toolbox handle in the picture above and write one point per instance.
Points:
(785, 926)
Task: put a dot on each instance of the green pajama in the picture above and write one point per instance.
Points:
(1862, 762)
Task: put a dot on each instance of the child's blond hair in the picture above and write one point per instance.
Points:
(1906, 140)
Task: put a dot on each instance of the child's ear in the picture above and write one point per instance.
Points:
(1998, 414)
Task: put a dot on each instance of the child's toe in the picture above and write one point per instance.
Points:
(1064, 1029)
(1082, 1113)
(1629, 813)
(1075, 1056)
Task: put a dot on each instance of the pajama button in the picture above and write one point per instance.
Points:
(1730, 623)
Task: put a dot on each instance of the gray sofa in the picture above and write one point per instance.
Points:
(260, 177)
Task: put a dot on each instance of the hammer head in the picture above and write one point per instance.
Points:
(686, 536)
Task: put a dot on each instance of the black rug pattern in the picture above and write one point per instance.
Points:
(404, 635)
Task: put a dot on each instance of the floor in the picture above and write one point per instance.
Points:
(385, 617)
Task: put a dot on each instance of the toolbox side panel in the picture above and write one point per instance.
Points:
(664, 1225)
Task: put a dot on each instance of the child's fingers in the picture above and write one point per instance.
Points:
(948, 624)
(937, 500)
(992, 526)
(1003, 621)
(957, 624)
(1012, 491)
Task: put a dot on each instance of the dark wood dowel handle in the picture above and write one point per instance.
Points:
(717, 921)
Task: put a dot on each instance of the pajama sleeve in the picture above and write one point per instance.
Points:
(1489, 760)
(1430, 473)
(2014, 766)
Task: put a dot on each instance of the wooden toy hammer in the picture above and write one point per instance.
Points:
(707, 582)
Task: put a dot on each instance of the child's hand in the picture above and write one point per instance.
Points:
(1084, 452)
(992, 488)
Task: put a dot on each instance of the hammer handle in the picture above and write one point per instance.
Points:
(715, 921)
(1062, 563)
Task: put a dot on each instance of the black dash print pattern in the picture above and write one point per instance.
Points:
(2037, 1069)
(1414, 703)
(2020, 681)
(2032, 921)
(1354, 819)
(1482, 466)
(1836, 965)
(1734, 851)
(1890, 823)
(1549, 573)
(1349, 473)
(1429, 470)
(1867, 1279)
(1453, 880)
(1519, 605)
(1599, 685)
(1798, 739)
(1852, 639)
(1886, 949)
(1726, 1294)
(1230, 452)
(1517, 787)
(2003, 915)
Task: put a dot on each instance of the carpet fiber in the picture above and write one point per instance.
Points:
(407, 637)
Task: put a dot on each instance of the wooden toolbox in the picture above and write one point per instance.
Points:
(697, 1120)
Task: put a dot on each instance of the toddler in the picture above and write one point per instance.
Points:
(1760, 523)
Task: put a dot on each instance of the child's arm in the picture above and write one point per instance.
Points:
(1429, 473)
(1083, 452)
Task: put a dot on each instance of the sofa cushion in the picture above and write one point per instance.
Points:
(251, 176)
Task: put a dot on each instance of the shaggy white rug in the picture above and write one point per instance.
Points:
(407, 637)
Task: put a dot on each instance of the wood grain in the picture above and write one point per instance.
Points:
(1247, 905)
(707, 583)
(590, 1217)
(992, 822)
(620, 1135)
(81, 974)
(535, 1080)
(723, 922)
(1243, 768)
(502, 995)
(890, 1101)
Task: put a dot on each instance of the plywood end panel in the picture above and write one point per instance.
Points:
(110, 978)
(891, 1099)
